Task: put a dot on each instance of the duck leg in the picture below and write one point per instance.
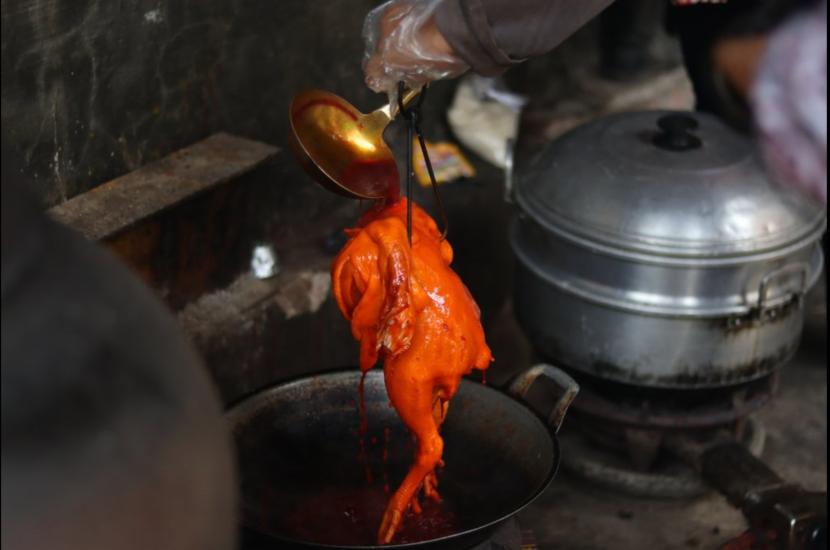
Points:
(439, 413)
(415, 406)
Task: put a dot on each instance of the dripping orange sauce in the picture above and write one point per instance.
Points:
(363, 429)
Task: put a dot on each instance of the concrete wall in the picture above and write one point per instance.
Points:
(93, 89)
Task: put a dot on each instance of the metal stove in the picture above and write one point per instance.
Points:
(624, 437)
(677, 444)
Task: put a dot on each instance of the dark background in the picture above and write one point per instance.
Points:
(95, 89)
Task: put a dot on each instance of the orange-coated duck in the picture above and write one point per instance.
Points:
(409, 308)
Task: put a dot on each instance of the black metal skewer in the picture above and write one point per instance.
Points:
(409, 178)
(411, 115)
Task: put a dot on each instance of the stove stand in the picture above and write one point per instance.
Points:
(613, 468)
(617, 434)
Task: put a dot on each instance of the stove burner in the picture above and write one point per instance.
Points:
(664, 477)
(624, 430)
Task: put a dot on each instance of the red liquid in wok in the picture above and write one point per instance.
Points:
(350, 517)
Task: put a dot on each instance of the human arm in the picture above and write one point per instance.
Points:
(421, 41)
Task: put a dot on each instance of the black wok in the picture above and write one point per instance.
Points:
(303, 470)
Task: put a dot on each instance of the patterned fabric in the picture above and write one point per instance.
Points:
(789, 100)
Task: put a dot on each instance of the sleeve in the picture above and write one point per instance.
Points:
(493, 35)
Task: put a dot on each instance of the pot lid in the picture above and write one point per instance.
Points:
(668, 183)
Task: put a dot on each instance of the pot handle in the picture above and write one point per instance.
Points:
(566, 387)
(800, 268)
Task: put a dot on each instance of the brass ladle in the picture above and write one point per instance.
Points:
(342, 148)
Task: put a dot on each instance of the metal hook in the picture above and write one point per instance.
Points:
(411, 115)
(434, 184)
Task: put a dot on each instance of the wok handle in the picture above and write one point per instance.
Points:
(566, 388)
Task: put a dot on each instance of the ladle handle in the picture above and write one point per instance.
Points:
(566, 387)
(391, 109)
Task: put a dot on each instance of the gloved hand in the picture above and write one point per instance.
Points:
(403, 43)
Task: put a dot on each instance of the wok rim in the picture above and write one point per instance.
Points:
(248, 404)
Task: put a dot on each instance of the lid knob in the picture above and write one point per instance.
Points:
(674, 134)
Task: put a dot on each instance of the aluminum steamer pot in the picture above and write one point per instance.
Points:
(308, 482)
(653, 250)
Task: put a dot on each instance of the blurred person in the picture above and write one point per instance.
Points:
(112, 435)
(783, 74)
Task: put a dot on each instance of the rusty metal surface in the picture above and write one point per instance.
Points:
(121, 203)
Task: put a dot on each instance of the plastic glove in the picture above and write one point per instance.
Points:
(404, 44)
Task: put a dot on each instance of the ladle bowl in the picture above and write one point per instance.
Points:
(342, 148)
